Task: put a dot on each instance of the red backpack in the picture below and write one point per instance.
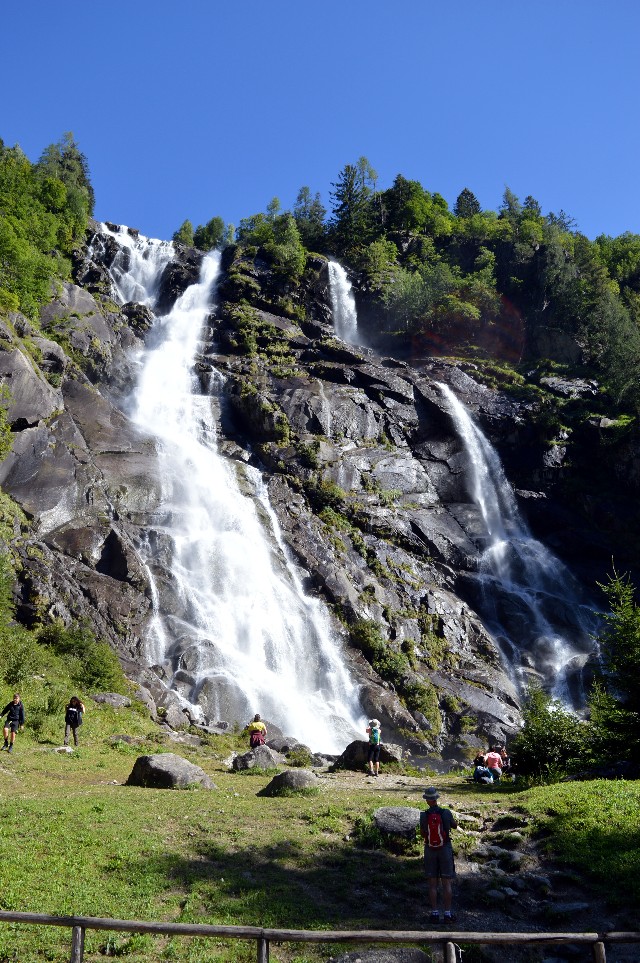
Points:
(436, 833)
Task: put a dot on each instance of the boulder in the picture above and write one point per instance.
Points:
(260, 758)
(355, 755)
(167, 771)
(113, 699)
(401, 821)
(291, 781)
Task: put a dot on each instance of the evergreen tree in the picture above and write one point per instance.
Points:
(615, 701)
(352, 214)
(210, 235)
(467, 204)
(66, 161)
(184, 234)
(309, 215)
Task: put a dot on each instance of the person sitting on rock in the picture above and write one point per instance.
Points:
(257, 732)
(480, 771)
(493, 762)
(507, 769)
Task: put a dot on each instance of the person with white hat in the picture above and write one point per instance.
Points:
(373, 753)
(436, 824)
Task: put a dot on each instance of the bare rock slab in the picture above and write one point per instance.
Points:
(167, 771)
(397, 820)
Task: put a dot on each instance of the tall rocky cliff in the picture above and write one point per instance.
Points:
(364, 470)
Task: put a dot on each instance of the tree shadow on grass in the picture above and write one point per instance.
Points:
(278, 886)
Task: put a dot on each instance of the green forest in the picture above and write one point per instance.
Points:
(514, 284)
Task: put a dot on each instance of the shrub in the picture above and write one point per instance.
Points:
(551, 742)
(91, 664)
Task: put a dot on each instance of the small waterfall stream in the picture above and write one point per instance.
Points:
(233, 626)
(345, 318)
(527, 596)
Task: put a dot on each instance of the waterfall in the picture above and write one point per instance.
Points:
(528, 598)
(345, 318)
(233, 627)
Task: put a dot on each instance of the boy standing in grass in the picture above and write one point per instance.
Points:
(435, 827)
(14, 712)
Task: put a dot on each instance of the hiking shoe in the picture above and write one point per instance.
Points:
(434, 917)
(10, 749)
(449, 918)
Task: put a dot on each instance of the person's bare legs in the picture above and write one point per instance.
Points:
(433, 893)
(447, 890)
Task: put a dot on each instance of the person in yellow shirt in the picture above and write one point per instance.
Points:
(257, 732)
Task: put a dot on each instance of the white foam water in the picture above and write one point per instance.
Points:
(234, 622)
(530, 600)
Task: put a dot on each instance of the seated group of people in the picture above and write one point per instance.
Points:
(489, 767)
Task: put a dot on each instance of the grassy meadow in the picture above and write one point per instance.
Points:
(75, 840)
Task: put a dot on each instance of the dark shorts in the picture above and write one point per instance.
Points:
(373, 754)
(439, 862)
(12, 726)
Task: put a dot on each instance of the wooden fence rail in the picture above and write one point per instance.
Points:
(263, 937)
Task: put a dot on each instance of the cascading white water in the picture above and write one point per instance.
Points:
(233, 624)
(345, 317)
(529, 598)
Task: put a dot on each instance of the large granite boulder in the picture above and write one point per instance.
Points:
(400, 821)
(291, 781)
(167, 771)
(355, 755)
(262, 757)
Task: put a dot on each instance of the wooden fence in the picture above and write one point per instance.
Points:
(446, 940)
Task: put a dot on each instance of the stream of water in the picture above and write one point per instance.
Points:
(528, 598)
(232, 623)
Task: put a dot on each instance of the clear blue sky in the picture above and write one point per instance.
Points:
(200, 108)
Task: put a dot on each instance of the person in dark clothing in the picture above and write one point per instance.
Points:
(73, 719)
(436, 824)
(14, 711)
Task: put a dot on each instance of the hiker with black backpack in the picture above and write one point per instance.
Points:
(373, 753)
(436, 824)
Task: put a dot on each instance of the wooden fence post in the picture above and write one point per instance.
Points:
(599, 953)
(263, 950)
(77, 944)
(450, 953)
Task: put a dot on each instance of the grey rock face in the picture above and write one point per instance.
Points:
(113, 699)
(368, 484)
(31, 399)
(167, 771)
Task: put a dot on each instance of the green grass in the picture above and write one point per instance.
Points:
(75, 839)
(593, 827)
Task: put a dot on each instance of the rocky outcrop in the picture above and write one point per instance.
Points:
(365, 474)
